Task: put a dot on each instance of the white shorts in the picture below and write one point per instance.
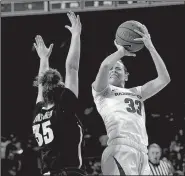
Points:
(124, 160)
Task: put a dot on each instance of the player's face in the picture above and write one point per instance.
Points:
(154, 155)
(117, 75)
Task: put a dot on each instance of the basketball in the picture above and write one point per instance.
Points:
(125, 36)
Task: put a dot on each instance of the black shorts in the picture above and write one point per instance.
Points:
(68, 172)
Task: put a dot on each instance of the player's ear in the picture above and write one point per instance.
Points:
(126, 76)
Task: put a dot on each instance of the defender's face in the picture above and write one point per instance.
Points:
(117, 74)
(154, 155)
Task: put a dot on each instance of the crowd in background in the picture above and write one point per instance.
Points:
(20, 157)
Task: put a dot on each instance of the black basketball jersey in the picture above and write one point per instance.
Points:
(58, 133)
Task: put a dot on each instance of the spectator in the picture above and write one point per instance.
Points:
(12, 163)
(30, 159)
(4, 143)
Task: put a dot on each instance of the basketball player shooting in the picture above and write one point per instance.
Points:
(123, 111)
(55, 124)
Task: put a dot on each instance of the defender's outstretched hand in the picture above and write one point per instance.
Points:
(76, 26)
(42, 51)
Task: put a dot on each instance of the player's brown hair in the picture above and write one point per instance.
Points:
(125, 68)
(51, 80)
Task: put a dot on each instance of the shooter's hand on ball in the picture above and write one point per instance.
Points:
(42, 51)
(122, 49)
(76, 26)
(145, 37)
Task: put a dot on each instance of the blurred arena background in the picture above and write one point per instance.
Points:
(22, 20)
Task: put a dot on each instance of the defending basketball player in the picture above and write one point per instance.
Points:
(122, 110)
(56, 126)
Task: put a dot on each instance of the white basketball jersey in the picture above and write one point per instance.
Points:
(123, 113)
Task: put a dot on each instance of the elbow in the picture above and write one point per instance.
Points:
(165, 80)
(168, 80)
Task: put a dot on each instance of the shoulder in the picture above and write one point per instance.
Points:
(165, 163)
(103, 93)
(68, 99)
(136, 90)
(67, 92)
